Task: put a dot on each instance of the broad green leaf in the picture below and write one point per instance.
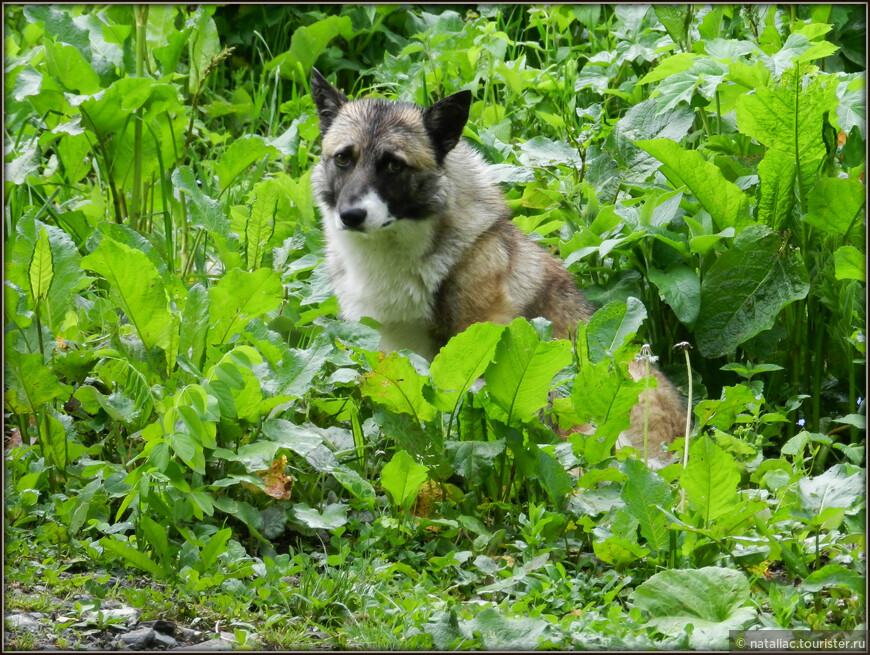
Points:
(834, 205)
(850, 264)
(643, 491)
(777, 189)
(83, 501)
(194, 324)
(670, 65)
(557, 483)
(206, 212)
(136, 287)
(789, 121)
(713, 599)
(646, 121)
(261, 222)
(675, 18)
(27, 163)
(357, 485)
(189, 450)
(156, 535)
(402, 478)
(67, 64)
(461, 361)
(611, 326)
(746, 288)
(132, 556)
(35, 383)
(55, 439)
(680, 286)
(619, 551)
(472, 459)
(498, 632)
(41, 267)
(216, 545)
(332, 517)
(394, 383)
(834, 575)
(299, 367)
(238, 156)
(239, 297)
(308, 43)
(833, 488)
(710, 479)
(519, 377)
(722, 199)
(203, 45)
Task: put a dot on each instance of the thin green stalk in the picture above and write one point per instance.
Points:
(684, 346)
(136, 213)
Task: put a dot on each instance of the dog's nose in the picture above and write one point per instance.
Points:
(353, 217)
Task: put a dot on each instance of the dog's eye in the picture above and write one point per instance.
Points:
(342, 160)
(395, 166)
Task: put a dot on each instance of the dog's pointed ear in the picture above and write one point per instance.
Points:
(327, 99)
(444, 122)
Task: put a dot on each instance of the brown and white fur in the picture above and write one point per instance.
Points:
(418, 237)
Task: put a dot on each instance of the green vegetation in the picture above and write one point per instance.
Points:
(182, 403)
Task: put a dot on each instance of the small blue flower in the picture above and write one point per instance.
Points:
(801, 422)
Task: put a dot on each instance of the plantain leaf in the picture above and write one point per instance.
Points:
(643, 490)
(261, 221)
(461, 361)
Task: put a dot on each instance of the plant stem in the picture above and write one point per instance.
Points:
(136, 213)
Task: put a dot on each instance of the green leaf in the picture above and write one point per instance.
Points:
(67, 64)
(833, 488)
(395, 384)
(194, 324)
(746, 288)
(722, 199)
(41, 270)
(519, 377)
(670, 65)
(681, 288)
(472, 459)
(713, 599)
(216, 545)
(501, 633)
(557, 483)
(777, 173)
(834, 575)
(261, 222)
(238, 156)
(643, 491)
(158, 539)
(240, 297)
(132, 556)
(35, 383)
(206, 212)
(611, 326)
(189, 450)
(28, 163)
(357, 485)
(299, 367)
(308, 43)
(461, 361)
(789, 121)
(850, 264)
(136, 287)
(333, 516)
(834, 204)
(402, 478)
(710, 479)
(204, 44)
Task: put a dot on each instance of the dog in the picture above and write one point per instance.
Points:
(419, 237)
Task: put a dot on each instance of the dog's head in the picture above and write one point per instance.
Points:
(381, 161)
